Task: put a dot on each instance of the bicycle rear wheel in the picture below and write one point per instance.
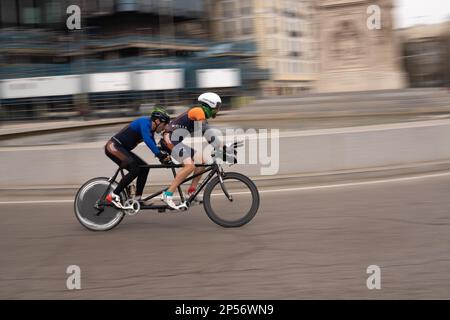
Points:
(85, 211)
(237, 212)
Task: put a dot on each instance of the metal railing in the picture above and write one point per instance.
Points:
(105, 105)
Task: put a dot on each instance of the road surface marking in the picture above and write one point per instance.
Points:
(36, 201)
(329, 186)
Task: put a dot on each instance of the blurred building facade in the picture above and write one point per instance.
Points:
(286, 35)
(235, 47)
(126, 54)
(107, 23)
(426, 54)
(353, 57)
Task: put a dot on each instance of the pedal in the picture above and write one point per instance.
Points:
(183, 207)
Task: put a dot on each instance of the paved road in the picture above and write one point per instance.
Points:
(302, 244)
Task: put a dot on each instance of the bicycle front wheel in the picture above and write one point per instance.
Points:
(234, 212)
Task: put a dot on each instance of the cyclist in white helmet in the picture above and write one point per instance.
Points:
(210, 104)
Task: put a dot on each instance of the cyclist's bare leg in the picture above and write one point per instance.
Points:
(198, 159)
(188, 168)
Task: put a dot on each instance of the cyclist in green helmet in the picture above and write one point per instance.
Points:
(119, 147)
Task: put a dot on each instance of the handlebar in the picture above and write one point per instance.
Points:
(226, 151)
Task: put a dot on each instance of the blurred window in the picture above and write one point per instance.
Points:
(144, 5)
(106, 5)
(287, 24)
(227, 9)
(246, 7)
(271, 25)
(268, 25)
(268, 7)
(268, 44)
(288, 9)
(8, 10)
(126, 5)
(277, 66)
(273, 66)
(228, 28)
(30, 13)
(53, 11)
(302, 26)
(247, 26)
(193, 8)
(90, 6)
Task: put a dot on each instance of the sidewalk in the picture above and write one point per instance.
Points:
(281, 181)
(15, 130)
(8, 130)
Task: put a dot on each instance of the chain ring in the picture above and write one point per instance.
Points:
(136, 207)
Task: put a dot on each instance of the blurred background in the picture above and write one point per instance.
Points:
(129, 55)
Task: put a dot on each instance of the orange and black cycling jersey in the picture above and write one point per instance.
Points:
(187, 120)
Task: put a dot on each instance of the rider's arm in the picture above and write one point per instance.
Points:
(167, 142)
(213, 135)
(145, 126)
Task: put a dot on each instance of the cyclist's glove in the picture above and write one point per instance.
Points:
(164, 157)
(228, 154)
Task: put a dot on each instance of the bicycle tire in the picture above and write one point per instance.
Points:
(80, 205)
(234, 223)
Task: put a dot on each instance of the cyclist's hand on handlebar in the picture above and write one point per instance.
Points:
(230, 149)
(227, 154)
(164, 157)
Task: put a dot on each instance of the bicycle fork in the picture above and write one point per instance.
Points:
(222, 185)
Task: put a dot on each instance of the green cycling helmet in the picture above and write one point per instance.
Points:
(161, 114)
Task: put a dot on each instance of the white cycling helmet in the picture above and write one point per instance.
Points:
(210, 103)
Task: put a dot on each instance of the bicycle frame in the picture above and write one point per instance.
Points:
(213, 169)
